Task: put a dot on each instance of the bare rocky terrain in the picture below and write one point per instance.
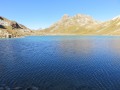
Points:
(9, 29)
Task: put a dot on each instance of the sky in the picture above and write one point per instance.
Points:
(37, 14)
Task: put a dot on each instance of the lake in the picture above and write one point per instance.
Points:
(61, 62)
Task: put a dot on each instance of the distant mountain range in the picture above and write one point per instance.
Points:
(68, 25)
(83, 25)
(9, 29)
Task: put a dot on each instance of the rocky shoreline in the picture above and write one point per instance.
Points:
(11, 37)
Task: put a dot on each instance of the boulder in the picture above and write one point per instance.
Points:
(15, 25)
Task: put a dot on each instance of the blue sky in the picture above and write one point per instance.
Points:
(42, 13)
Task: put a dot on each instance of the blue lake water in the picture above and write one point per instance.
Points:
(61, 62)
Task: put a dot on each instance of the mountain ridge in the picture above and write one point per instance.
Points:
(81, 24)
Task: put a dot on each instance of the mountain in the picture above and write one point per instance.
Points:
(10, 28)
(83, 25)
(111, 27)
(68, 25)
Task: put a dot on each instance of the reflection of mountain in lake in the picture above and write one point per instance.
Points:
(114, 46)
(80, 46)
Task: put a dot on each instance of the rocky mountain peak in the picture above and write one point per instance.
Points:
(65, 17)
(82, 16)
(84, 19)
(77, 20)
